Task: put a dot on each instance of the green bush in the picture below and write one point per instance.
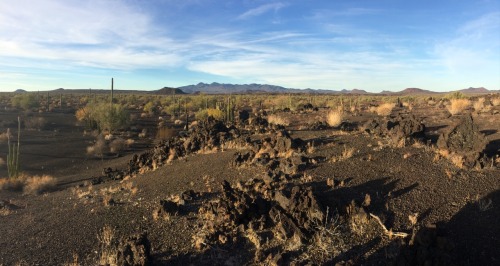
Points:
(24, 101)
(104, 116)
(204, 114)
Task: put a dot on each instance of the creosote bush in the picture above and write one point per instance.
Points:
(24, 101)
(104, 116)
(210, 112)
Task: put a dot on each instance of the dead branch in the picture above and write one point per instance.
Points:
(389, 233)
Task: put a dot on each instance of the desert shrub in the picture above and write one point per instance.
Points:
(117, 145)
(334, 118)
(85, 114)
(479, 105)
(11, 184)
(130, 142)
(495, 101)
(104, 116)
(29, 184)
(384, 109)
(99, 147)
(278, 120)
(111, 118)
(39, 184)
(456, 95)
(458, 105)
(108, 246)
(210, 112)
(165, 133)
(35, 123)
(149, 107)
(24, 101)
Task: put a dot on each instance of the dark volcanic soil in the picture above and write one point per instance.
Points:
(461, 205)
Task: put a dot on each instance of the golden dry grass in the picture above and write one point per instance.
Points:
(495, 101)
(108, 252)
(479, 105)
(458, 105)
(11, 184)
(334, 118)
(39, 184)
(346, 154)
(384, 109)
(278, 120)
(29, 184)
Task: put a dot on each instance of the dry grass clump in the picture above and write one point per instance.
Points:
(495, 101)
(29, 184)
(454, 158)
(346, 154)
(39, 184)
(143, 133)
(334, 118)
(458, 105)
(99, 148)
(118, 145)
(278, 120)
(384, 109)
(108, 246)
(35, 123)
(479, 105)
(11, 184)
(5, 136)
(408, 105)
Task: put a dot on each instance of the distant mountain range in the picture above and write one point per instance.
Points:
(221, 88)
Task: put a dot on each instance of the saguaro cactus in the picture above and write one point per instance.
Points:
(112, 87)
(229, 110)
(13, 155)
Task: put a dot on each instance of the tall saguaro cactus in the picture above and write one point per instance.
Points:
(112, 87)
(229, 110)
(13, 155)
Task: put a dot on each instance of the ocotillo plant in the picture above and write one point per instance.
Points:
(48, 100)
(13, 155)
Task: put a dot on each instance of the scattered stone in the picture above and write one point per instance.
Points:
(465, 139)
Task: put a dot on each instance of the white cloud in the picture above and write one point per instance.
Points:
(261, 10)
(97, 33)
(474, 46)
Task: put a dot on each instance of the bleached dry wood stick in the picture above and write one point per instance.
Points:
(388, 232)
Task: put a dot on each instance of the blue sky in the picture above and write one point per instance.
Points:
(373, 45)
